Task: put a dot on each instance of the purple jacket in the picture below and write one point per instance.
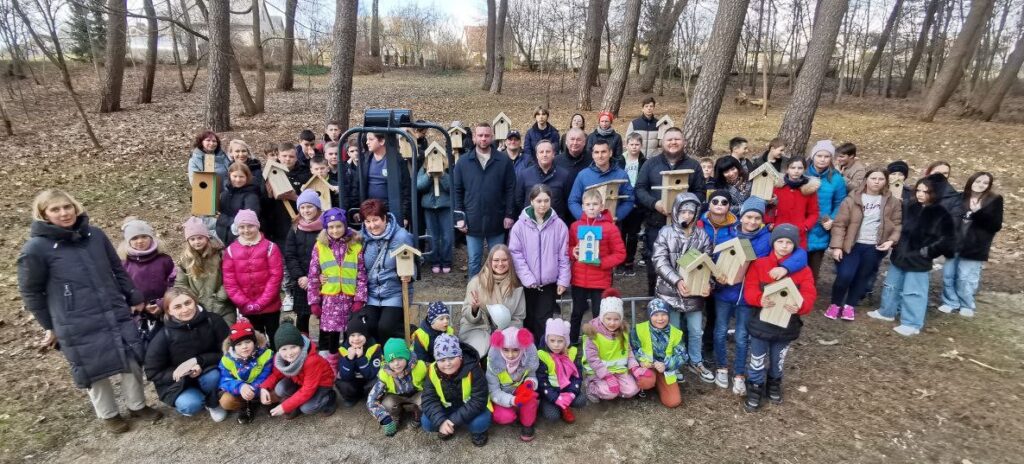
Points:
(152, 274)
(540, 253)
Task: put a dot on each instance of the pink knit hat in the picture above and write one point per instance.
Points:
(194, 226)
(511, 337)
(246, 216)
(558, 327)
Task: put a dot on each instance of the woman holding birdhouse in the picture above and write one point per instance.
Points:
(382, 235)
(207, 143)
(435, 191)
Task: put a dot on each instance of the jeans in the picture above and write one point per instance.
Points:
(725, 310)
(694, 333)
(960, 282)
(439, 226)
(853, 274)
(193, 398)
(650, 235)
(475, 250)
(765, 352)
(582, 298)
(905, 293)
(479, 424)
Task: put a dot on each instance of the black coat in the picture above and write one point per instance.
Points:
(201, 338)
(650, 177)
(276, 220)
(298, 252)
(485, 196)
(614, 145)
(72, 281)
(233, 200)
(573, 165)
(557, 179)
(927, 234)
(975, 230)
(461, 412)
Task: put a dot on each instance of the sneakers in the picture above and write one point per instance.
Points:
(848, 313)
(877, 315)
(288, 302)
(116, 424)
(245, 415)
(331, 405)
(775, 391)
(966, 312)
(906, 330)
(946, 309)
(526, 433)
(446, 269)
(147, 414)
(739, 385)
(568, 416)
(832, 312)
(415, 419)
(218, 414)
(479, 439)
(722, 378)
(754, 396)
(436, 269)
(705, 374)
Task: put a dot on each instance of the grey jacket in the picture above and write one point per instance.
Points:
(505, 395)
(671, 243)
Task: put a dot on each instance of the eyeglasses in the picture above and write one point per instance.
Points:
(719, 202)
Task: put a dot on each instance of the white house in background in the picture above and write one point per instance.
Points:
(241, 32)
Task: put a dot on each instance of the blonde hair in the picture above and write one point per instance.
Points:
(48, 197)
(195, 262)
(173, 293)
(238, 142)
(485, 278)
(593, 194)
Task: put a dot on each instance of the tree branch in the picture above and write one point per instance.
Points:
(104, 9)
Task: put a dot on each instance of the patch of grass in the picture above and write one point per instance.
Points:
(311, 70)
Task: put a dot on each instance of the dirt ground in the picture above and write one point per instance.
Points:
(856, 392)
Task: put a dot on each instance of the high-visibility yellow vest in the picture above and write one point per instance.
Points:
(614, 354)
(549, 363)
(423, 338)
(675, 337)
(340, 279)
(467, 388)
(261, 362)
(419, 371)
(368, 352)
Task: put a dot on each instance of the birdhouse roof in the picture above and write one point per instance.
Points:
(765, 168)
(666, 119)
(405, 248)
(581, 232)
(742, 247)
(677, 172)
(693, 258)
(316, 182)
(435, 149)
(785, 285)
(615, 182)
(456, 130)
(501, 118)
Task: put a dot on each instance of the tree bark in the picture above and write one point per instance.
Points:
(950, 75)
(907, 82)
(664, 30)
(612, 100)
(286, 80)
(375, 30)
(492, 18)
(117, 27)
(717, 59)
(149, 68)
(595, 65)
(261, 70)
(591, 53)
(174, 48)
(876, 57)
(796, 124)
(191, 55)
(218, 95)
(499, 48)
(997, 91)
(343, 57)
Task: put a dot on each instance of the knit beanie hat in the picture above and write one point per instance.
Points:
(755, 204)
(789, 231)
(332, 215)
(511, 337)
(611, 302)
(287, 334)
(241, 331)
(824, 145)
(135, 228)
(447, 346)
(557, 327)
(246, 216)
(720, 194)
(193, 227)
(656, 306)
(357, 324)
(435, 310)
(899, 166)
(396, 348)
(308, 197)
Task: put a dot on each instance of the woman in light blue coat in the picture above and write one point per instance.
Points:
(830, 195)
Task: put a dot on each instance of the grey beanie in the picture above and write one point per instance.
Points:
(137, 227)
(786, 231)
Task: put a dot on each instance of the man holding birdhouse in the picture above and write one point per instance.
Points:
(602, 170)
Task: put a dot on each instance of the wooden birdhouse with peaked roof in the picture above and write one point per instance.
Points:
(456, 133)
(764, 179)
(696, 269)
(610, 192)
(783, 292)
(502, 125)
(205, 193)
(322, 189)
(589, 248)
(404, 148)
(896, 189)
(436, 161)
(664, 124)
(673, 183)
(734, 257)
(405, 260)
(277, 175)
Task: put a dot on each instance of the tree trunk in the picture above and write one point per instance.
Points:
(907, 82)
(664, 30)
(499, 48)
(989, 106)
(949, 76)
(938, 47)
(149, 68)
(343, 58)
(238, 79)
(876, 57)
(375, 30)
(492, 18)
(591, 53)
(595, 65)
(796, 124)
(174, 48)
(702, 113)
(261, 70)
(286, 80)
(8, 127)
(191, 55)
(612, 100)
(117, 27)
(218, 95)
(757, 46)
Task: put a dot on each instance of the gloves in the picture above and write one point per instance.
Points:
(315, 309)
(357, 306)
(639, 372)
(564, 400)
(390, 426)
(252, 308)
(613, 384)
(523, 395)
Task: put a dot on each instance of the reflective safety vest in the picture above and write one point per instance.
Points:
(467, 388)
(419, 371)
(367, 353)
(549, 363)
(261, 362)
(340, 279)
(614, 354)
(675, 337)
(423, 337)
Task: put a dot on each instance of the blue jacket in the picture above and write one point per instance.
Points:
(425, 185)
(761, 242)
(549, 392)
(484, 196)
(384, 288)
(221, 162)
(232, 384)
(830, 195)
(521, 162)
(720, 234)
(592, 176)
(361, 368)
(534, 135)
(557, 178)
(425, 354)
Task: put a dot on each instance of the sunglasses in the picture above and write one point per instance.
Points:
(719, 202)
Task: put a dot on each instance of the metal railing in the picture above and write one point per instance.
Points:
(564, 305)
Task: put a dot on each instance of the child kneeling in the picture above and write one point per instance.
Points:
(456, 395)
(558, 374)
(658, 347)
(512, 378)
(358, 362)
(398, 387)
(610, 368)
(244, 366)
(302, 380)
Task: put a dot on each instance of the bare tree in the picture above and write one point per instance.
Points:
(492, 19)
(375, 30)
(339, 90)
(950, 74)
(612, 100)
(286, 79)
(261, 68)
(988, 106)
(664, 30)
(191, 56)
(149, 69)
(591, 53)
(117, 29)
(218, 95)
(876, 57)
(907, 81)
(499, 48)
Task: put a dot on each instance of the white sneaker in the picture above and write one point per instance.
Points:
(966, 312)
(906, 330)
(218, 414)
(722, 378)
(877, 315)
(739, 385)
(946, 309)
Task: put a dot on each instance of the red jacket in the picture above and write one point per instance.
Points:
(753, 289)
(797, 206)
(612, 253)
(252, 275)
(315, 373)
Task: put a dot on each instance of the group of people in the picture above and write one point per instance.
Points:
(206, 328)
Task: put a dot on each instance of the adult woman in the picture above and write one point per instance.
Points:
(381, 236)
(72, 281)
(183, 358)
(796, 201)
(239, 152)
(208, 143)
(729, 177)
(576, 122)
(495, 284)
(830, 195)
(539, 244)
(975, 229)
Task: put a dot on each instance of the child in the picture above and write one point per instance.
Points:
(307, 149)
(899, 170)
(769, 343)
(456, 395)
(630, 226)
(360, 359)
(199, 269)
(298, 247)
(152, 272)
(512, 379)
(831, 193)
(301, 379)
(658, 347)
(398, 387)
(558, 373)
(982, 219)
(239, 194)
(318, 167)
(437, 322)
(332, 153)
(590, 279)
(437, 211)
(796, 201)
(336, 279)
(278, 217)
(609, 366)
(253, 271)
(332, 134)
(852, 169)
(707, 167)
(673, 241)
(244, 366)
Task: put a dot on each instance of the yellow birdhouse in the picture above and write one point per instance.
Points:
(734, 256)
(502, 124)
(277, 174)
(322, 189)
(205, 192)
(456, 133)
(405, 260)
(673, 183)
(783, 292)
(664, 124)
(696, 269)
(764, 180)
(610, 192)
(404, 148)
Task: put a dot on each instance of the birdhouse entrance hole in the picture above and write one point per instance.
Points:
(203, 185)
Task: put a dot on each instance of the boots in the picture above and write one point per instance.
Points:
(755, 392)
(775, 390)
(568, 416)
(245, 415)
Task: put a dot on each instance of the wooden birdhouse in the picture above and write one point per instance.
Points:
(502, 125)
(456, 133)
(209, 163)
(696, 269)
(734, 256)
(664, 124)
(589, 248)
(436, 161)
(323, 190)
(764, 180)
(673, 183)
(783, 292)
(205, 192)
(404, 148)
(610, 192)
(277, 175)
(896, 189)
(405, 260)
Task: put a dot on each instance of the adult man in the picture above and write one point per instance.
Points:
(385, 177)
(575, 158)
(482, 195)
(647, 126)
(515, 152)
(739, 149)
(848, 164)
(672, 158)
(601, 170)
(544, 171)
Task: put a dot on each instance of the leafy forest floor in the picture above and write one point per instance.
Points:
(856, 392)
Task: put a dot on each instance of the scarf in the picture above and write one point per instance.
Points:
(502, 287)
(245, 242)
(293, 369)
(512, 365)
(565, 369)
(795, 184)
(605, 132)
(313, 226)
(146, 252)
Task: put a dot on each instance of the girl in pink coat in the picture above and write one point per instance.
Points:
(253, 270)
(610, 370)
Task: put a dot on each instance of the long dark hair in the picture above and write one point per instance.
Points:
(932, 194)
(987, 195)
(724, 164)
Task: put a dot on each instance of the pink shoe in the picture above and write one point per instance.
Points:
(832, 312)
(848, 313)
(446, 270)
(436, 269)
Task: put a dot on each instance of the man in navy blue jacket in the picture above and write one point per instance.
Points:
(544, 171)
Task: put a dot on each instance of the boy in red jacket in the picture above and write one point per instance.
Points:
(591, 275)
(769, 343)
(301, 379)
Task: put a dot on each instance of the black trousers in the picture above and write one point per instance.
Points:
(652, 275)
(630, 230)
(385, 321)
(582, 299)
(353, 391)
(266, 323)
(329, 341)
(541, 304)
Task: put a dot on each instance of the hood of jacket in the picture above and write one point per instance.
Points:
(201, 318)
(594, 327)
(496, 362)
(677, 207)
(79, 231)
(752, 235)
(389, 230)
(602, 217)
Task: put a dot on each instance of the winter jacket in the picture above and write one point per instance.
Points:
(460, 412)
(534, 135)
(947, 196)
(573, 164)
(551, 392)
(504, 395)
(757, 278)
(152, 274)
(672, 242)
(927, 233)
(275, 220)
(540, 252)
(256, 169)
(594, 328)
(425, 185)
(475, 329)
(975, 230)
(611, 251)
(261, 361)
(738, 192)
(593, 176)
(316, 373)
(404, 386)
(520, 162)
(233, 200)
(831, 193)
(659, 346)
(483, 196)
(761, 242)
(614, 144)
(648, 129)
(72, 282)
(298, 247)
(361, 367)
(426, 353)
(335, 310)
(252, 276)
(209, 287)
(221, 161)
(650, 177)
(719, 233)
(384, 288)
(777, 164)
(199, 338)
(797, 204)
(556, 178)
(854, 175)
(848, 220)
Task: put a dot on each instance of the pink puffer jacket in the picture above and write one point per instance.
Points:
(252, 276)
